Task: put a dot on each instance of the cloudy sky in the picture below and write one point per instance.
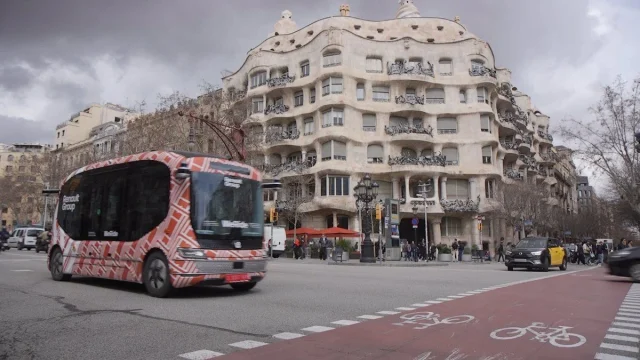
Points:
(58, 56)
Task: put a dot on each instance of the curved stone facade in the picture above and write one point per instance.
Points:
(405, 100)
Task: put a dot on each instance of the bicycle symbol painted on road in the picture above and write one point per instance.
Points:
(556, 336)
(428, 319)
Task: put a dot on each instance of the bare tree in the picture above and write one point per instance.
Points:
(520, 203)
(606, 141)
(297, 191)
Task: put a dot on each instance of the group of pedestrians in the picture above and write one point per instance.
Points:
(418, 252)
(302, 245)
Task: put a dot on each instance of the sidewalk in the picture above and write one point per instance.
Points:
(355, 262)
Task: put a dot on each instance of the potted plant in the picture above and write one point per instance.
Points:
(444, 253)
(344, 247)
(466, 254)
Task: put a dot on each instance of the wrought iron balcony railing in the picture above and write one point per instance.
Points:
(397, 68)
(480, 70)
(281, 135)
(412, 99)
(293, 166)
(434, 101)
(507, 118)
(509, 145)
(467, 205)
(276, 109)
(512, 174)
(407, 129)
(528, 160)
(434, 160)
(280, 81)
(544, 135)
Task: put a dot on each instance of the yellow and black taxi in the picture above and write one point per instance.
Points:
(536, 253)
(625, 262)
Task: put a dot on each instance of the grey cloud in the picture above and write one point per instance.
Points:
(15, 78)
(17, 130)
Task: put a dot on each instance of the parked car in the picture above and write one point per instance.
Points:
(625, 262)
(24, 238)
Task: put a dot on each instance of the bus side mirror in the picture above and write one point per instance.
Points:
(183, 172)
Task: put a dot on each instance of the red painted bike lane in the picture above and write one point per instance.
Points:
(562, 317)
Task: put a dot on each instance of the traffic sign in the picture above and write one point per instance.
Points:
(415, 226)
(414, 221)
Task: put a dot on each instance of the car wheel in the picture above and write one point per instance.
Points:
(275, 256)
(634, 272)
(510, 268)
(545, 264)
(563, 267)
(156, 275)
(243, 286)
(28, 249)
(56, 266)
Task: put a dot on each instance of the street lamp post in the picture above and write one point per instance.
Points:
(365, 193)
(415, 227)
(424, 188)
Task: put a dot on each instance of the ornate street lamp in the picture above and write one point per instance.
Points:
(365, 193)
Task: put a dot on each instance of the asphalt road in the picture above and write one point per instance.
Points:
(100, 319)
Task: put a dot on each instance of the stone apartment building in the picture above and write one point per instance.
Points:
(586, 193)
(408, 99)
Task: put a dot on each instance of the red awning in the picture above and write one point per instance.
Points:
(304, 231)
(339, 232)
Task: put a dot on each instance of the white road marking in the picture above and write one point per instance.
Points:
(444, 299)
(248, 344)
(624, 331)
(405, 308)
(317, 329)
(617, 347)
(621, 318)
(635, 326)
(600, 356)
(622, 313)
(386, 312)
(433, 302)
(456, 296)
(630, 308)
(22, 270)
(622, 338)
(420, 305)
(200, 355)
(370, 317)
(346, 322)
(287, 336)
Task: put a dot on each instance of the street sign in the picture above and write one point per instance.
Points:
(415, 226)
(414, 221)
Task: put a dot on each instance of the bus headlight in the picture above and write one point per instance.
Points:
(192, 253)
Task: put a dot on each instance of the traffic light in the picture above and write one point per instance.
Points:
(272, 212)
(378, 212)
(480, 226)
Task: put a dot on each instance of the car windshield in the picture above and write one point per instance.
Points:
(33, 232)
(532, 244)
(226, 207)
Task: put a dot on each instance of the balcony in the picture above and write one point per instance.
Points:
(293, 166)
(479, 70)
(280, 81)
(513, 174)
(460, 206)
(434, 101)
(434, 160)
(276, 109)
(507, 118)
(545, 136)
(407, 129)
(273, 136)
(547, 157)
(528, 160)
(509, 145)
(397, 68)
(412, 99)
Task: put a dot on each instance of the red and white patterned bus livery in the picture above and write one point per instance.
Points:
(165, 219)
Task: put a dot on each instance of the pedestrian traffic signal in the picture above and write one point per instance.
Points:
(378, 212)
(273, 215)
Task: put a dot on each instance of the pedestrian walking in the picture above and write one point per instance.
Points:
(501, 250)
(296, 248)
(461, 246)
(454, 247)
(323, 247)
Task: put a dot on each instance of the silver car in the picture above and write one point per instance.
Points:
(24, 238)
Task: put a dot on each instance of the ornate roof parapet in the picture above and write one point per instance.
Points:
(408, 129)
(434, 160)
(460, 205)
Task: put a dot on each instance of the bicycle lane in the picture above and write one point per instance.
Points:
(584, 302)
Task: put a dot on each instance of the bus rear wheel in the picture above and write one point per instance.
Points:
(243, 286)
(156, 275)
(56, 266)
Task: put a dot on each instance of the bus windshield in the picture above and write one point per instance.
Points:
(226, 207)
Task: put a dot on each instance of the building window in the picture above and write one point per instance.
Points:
(457, 189)
(360, 92)
(477, 65)
(331, 58)
(294, 157)
(275, 159)
(10, 158)
(410, 91)
(451, 226)
(485, 123)
(445, 67)
(435, 96)
(375, 154)
(9, 168)
(450, 155)
(312, 96)
(298, 98)
(308, 126)
(381, 93)
(305, 68)
(257, 105)
(268, 195)
(332, 85)
(292, 128)
(486, 228)
(408, 152)
(334, 186)
(58, 134)
(22, 168)
(482, 95)
(486, 154)
(312, 157)
(278, 101)
(258, 79)
(418, 123)
(398, 121)
(333, 149)
(333, 117)
(426, 153)
(463, 97)
(63, 133)
(368, 122)
(374, 64)
(489, 188)
(447, 126)
(413, 62)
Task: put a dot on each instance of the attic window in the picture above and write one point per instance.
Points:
(440, 28)
(272, 49)
(380, 31)
(392, 38)
(430, 40)
(461, 32)
(298, 46)
(310, 32)
(276, 34)
(292, 41)
(370, 37)
(357, 27)
(414, 27)
(277, 43)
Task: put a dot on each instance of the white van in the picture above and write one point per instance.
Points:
(279, 237)
(24, 238)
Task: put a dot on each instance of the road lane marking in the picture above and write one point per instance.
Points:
(405, 308)
(444, 299)
(22, 270)
(456, 296)
(433, 302)
(631, 349)
(200, 355)
(622, 338)
(420, 305)
(248, 344)
(317, 329)
(620, 318)
(624, 331)
(346, 322)
(601, 356)
(287, 336)
(636, 326)
(386, 312)
(370, 317)
(622, 313)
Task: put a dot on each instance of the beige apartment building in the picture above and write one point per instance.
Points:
(406, 100)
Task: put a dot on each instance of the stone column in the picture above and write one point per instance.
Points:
(395, 188)
(335, 219)
(443, 186)
(317, 179)
(437, 233)
(304, 155)
(267, 159)
(435, 187)
(407, 192)
(503, 229)
(501, 163)
(283, 158)
(473, 189)
(475, 233)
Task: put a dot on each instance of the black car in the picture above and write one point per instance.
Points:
(625, 262)
(536, 253)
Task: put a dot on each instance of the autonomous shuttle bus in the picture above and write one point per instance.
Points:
(164, 219)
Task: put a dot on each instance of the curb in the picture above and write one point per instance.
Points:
(388, 264)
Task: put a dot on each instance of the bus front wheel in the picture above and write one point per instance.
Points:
(156, 275)
(56, 266)
(243, 286)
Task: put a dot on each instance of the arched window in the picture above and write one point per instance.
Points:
(426, 153)
(374, 64)
(295, 156)
(10, 158)
(275, 159)
(408, 152)
(23, 158)
(331, 58)
(312, 157)
(477, 65)
(451, 155)
(258, 78)
(398, 121)
(375, 154)
(292, 127)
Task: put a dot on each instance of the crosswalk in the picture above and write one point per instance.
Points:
(622, 341)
